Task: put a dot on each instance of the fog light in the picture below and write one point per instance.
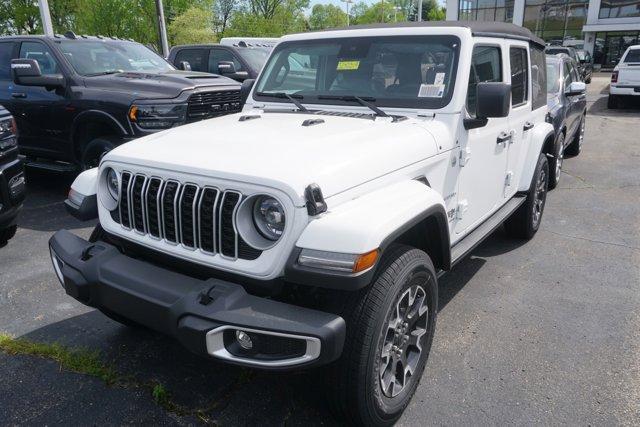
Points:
(244, 340)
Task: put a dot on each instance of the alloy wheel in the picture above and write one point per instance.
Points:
(539, 197)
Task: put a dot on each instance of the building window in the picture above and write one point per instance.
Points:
(619, 8)
(485, 10)
(609, 47)
(556, 21)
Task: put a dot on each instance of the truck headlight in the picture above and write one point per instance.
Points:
(269, 217)
(113, 183)
(8, 133)
(160, 116)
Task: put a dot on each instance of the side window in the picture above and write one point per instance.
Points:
(538, 78)
(218, 55)
(195, 57)
(519, 75)
(6, 51)
(575, 74)
(567, 75)
(42, 54)
(486, 66)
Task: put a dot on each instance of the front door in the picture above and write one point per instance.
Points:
(483, 150)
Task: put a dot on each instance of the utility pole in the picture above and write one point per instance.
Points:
(419, 10)
(348, 2)
(45, 17)
(164, 44)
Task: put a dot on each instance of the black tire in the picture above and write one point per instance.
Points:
(575, 147)
(7, 234)
(588, 80)
(355, 386)
(94, 151)
(613, 102)
(525, 221)
(555, 162)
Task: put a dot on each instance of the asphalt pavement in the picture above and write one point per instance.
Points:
(545, 332)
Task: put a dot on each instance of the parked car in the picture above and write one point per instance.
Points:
(625, 79)
(236, 62)
(12, 181)
(77, 97)
(567, 103)
(313, 228)
(585, 68)
(585, 64)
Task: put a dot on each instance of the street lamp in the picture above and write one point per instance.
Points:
(348, 2)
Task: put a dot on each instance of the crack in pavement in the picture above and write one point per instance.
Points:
(622, 245)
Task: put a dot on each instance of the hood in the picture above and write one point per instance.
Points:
(277, 150)
(165, 85)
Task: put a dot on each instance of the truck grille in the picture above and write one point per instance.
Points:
(199, 218)
(205, 105)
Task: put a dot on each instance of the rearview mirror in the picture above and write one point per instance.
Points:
(245, 89)
(26, 72)
(576, 88)
(492, 100)
(226, 67)
(184, 65)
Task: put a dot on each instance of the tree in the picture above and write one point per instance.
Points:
(222, 10)
(431, 11)
(194, 26)
(326, 16)
(383, 11)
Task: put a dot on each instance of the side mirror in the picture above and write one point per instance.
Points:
(576, 88)
(26, 72)
(226, 67)
(492, 100)
(245, 89)
(184, 66)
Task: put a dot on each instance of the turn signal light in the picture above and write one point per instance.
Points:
(133, 111)
(365, 261)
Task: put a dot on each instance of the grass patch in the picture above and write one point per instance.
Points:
(78, 360)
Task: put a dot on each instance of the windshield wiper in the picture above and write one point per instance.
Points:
(359, 100)
(290, 97)
(104, 73)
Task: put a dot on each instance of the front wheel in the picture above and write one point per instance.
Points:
(390, 327)
(7, 234)
(94, 152)
(555, 163)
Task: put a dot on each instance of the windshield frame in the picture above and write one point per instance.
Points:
(110, 42)
(416, 103)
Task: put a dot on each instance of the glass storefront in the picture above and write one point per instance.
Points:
(485, 10)
(619, 8)
(610, 46)
(556, 21)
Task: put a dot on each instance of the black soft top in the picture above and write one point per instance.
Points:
(478, 28)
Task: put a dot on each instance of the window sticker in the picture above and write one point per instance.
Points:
(439, 80)
(348, 65)
(431, 91)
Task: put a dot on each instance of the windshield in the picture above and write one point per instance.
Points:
(553, 77)
(557, 50)
(392, 71)
(632, 56)
(96, 57)
(256, 57)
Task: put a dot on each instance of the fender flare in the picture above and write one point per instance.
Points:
(82, 202)
(99, 115)
(367, 223)
(540, 133)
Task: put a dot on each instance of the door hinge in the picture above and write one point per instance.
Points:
(465, 156)
(463, 205)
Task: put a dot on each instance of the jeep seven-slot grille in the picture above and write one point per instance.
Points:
(196, 217)
(205, 105)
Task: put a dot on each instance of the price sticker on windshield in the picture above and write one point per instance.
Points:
(348, 65)
(431, 91)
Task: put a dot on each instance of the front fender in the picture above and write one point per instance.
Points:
(539, 135)
(83, 202)
(368, 222)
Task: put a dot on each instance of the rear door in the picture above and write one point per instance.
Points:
(219, 54)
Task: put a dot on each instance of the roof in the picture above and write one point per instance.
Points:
(478, 28)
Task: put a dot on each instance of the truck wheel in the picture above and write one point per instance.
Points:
(7, 234)
(612, 102)
(575, 147)
(555, 163)
(525, 221)
(390, 328)
(94, 151)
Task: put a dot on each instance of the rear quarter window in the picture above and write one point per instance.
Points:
(632, 56)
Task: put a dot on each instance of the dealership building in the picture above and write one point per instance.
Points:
(603, 27)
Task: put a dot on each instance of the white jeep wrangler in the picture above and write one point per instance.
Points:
(311, 229)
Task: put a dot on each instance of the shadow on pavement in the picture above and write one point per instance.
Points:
(44, 206)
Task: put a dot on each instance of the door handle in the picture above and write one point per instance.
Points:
(528, 126)
(18, 95)
(503, 138)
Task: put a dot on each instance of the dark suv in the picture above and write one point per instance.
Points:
(12, 184)
(581, 57)
(239, 62)
(77, 97)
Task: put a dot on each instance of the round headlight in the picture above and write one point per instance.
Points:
(112, 183)
(268, 215)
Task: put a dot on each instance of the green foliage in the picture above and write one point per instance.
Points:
(378, 12)
(288, 17)
(193, 26)
(327, 16)
(431, 11)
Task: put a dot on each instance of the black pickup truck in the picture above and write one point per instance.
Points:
(12, 184)
(76, 97)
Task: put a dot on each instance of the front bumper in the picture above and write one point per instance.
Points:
(12, 191)
(627, 90)
(202, 314)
